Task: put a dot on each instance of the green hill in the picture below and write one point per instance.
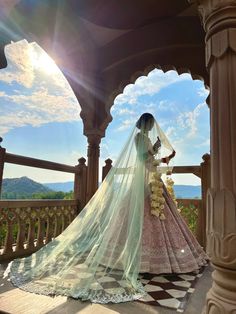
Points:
(22, 188)
(18, 188)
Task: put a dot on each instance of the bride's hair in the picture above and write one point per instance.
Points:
(144, 119)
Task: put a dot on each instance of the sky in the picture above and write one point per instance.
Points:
(40, 115)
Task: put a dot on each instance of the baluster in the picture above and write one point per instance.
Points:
(62, 219)
(69, 214)
(31, 234)
(73, 212)
(50, 229)
(41, 232)
(9, 238)
(57, 230)
(20, 235)
(66, 220)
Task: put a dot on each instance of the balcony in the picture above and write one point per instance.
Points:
(30, 224)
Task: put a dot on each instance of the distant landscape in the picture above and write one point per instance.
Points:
(25, 188)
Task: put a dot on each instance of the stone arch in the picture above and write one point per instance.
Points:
(145, 72)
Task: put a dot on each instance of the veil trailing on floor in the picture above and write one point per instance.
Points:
(97, 257)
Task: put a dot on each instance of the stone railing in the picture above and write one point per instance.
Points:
(79, 171)
(25, 226)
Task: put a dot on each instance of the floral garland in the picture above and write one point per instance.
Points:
(157, 199)
(170, 189)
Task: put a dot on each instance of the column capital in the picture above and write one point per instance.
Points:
(217, 12)
(94, 138)
(219, 21)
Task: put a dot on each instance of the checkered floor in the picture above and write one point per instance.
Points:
(171, 290)
(167, 290)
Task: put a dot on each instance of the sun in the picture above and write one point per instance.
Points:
(41, 61)
(47, 64)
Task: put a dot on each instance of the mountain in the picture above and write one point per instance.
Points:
(181, 191)
(60, 186)
(22, 188)
(187, 191)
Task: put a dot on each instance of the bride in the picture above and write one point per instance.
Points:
(131, 225)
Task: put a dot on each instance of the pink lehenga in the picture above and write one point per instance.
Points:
(168, 246)
(120, 233)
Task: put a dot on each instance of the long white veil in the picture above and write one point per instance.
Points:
(98, 256)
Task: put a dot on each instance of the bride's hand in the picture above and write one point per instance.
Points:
(167, 159)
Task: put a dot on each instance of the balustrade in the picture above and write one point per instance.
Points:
(28, 225)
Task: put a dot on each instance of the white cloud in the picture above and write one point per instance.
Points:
(19, 68)
(39, 175)
(204, 143)
(126, 124)
(188, 120)
(170, 132)
(203, 92)
(123, 111)
(38, 96)
(149, 85)
(166, 105)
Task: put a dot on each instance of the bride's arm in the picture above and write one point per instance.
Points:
(157, 145)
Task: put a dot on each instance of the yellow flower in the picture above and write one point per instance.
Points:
(156, 163)
(155, 213)
(162, 216)
(162, 201)
(154, 204)
(154, 197)
(156, 175)
(156, 184)
(153, 187)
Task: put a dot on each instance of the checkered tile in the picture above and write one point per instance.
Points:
(170, 290)
(167, 290)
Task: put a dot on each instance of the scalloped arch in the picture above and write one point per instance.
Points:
(145, 72)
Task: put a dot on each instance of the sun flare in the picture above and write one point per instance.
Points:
(41, 61)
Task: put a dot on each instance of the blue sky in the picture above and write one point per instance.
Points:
(39, 114)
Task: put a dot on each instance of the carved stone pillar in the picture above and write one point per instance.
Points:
(219, 19)
(206, 184)
(93, 154)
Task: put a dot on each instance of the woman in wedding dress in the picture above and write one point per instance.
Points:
(131, 225)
